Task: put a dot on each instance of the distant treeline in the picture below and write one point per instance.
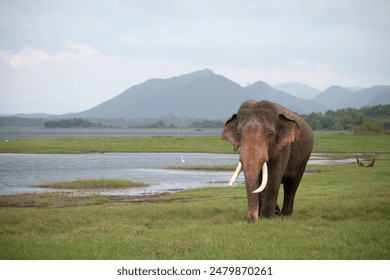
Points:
(68, 123)
(159, 124)
(343, 119)
(11, 121)
(207, 124)
(349, 119)
(196, 124)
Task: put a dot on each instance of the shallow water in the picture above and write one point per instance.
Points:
(19, 173)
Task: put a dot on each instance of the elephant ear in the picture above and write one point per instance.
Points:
(288, 130)
(229, 133)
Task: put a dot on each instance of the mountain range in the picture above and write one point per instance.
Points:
(207, 95)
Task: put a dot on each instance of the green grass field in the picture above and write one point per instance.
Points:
(207, 144)
(342, 211)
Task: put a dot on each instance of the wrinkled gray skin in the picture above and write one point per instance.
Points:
(268, 132)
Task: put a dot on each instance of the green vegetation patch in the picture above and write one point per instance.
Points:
(51, 200)
(351, 143)
(339, 142)
(221, 167)
(342, 211)
(197, 144)
(95, 184)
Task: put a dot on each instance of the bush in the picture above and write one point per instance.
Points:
(369, 127)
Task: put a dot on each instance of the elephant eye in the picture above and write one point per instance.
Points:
(269, 134)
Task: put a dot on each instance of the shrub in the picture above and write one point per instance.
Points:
(369, 127)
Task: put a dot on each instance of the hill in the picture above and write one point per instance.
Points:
(298, 90)
(265, 92)
(202, 94)
(207, 95)
(336, 97)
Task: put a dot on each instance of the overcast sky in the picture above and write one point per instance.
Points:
(68, 56)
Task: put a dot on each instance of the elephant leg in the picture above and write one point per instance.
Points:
(290, 186)
(277, 210)
(268, 199)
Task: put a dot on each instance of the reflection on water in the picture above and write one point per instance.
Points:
(21, 172)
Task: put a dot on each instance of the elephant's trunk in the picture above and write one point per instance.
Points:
(264, 180)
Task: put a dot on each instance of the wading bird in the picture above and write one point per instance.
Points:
(372, 163)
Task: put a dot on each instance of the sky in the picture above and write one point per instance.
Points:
(64, 56)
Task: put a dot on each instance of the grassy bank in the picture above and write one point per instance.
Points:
(100, 145)
(94, 184)
(198, 144)
(342, 212)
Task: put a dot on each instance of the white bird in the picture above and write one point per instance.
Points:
(182, 159)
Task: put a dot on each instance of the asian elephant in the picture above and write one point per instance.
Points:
(275, 145)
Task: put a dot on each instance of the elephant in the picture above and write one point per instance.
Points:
(275, 146)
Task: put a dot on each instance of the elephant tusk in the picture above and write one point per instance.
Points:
(264, 181)
(236, 173)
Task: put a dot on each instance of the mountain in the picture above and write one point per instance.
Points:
(265, 92)
(298, 90)
(382, 98)
(355, 89)
(207, 95)
(336, 97)
(199, 94)
(372, 96)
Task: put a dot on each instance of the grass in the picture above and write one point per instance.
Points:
(100, 145)
(221, 167)
(94, 184)
(51, 200)
(199, 144)
(342, 211)
(340, 142)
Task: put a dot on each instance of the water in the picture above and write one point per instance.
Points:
(19, 173)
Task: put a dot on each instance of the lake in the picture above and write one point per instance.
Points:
(19, 173)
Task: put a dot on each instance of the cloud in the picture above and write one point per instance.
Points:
(27, 57)
(79, 50)
(31, 57)
(74, 79)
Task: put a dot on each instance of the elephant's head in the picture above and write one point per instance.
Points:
(261, 130)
